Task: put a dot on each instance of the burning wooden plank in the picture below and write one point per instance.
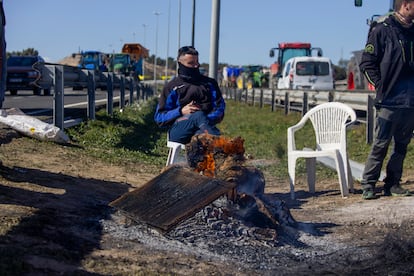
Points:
(172, 196)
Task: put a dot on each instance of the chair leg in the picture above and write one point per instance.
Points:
(340, 168)
(350, 179)
(170, 156)
(291, 172)
(311, 173)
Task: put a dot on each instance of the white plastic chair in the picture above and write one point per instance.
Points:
(329, 121)
(174, 151)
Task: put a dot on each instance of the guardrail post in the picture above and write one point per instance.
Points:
(261, 98)
(331, 96)
(287, 103)
(140, 91)
(131, 91)
(122, 88)
(247, 96)
(110, 94)
(305, 104)
(58, 97)
(253, 96)
(370, 127)
(91, 95)
(273, 99)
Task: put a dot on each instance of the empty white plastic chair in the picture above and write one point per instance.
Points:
(175, 149)
(329, 121)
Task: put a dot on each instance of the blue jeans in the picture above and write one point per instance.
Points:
(391, 123)
(188, 125)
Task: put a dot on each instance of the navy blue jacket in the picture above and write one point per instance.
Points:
(178, 93)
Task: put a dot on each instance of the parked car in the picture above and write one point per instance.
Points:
(22, 75)
(314, 73)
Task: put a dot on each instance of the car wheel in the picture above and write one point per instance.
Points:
(37, 91)
(13, 92)
(46, 92)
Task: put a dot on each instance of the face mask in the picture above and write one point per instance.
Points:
(188, 73)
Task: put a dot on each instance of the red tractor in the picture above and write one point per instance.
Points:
(287, 50)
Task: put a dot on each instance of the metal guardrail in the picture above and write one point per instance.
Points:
(59, 76)
(303, 100)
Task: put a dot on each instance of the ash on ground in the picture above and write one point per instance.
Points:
(216, 232)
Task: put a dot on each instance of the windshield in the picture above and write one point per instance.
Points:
(290, 53)
(312, 68)
(90, 58)
(120, 59)
(21, 61)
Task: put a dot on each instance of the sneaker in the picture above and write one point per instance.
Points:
(396, 190)
(369, 194)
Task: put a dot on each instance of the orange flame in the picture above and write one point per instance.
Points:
(218, 144)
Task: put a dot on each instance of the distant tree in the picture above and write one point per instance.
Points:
(25, 52)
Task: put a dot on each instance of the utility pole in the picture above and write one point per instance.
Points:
(145, 45)
(179, 31)
(193, 29)
(214, 38)
(168, 38)
(156, 50)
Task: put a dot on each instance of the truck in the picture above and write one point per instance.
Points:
(137, 53)
(93, 60)
(121, 63)
(288, 50)
(355, 78)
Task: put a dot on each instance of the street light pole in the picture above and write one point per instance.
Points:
(193, 25)
(168, 39)
(214, 38)
(143, 59)
(156, 50)
(179, 30)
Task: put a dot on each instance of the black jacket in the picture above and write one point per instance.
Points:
(179, 92)
(388, 61)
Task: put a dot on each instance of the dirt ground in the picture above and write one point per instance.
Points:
(55, 220)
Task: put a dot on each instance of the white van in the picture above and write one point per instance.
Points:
(314, 73)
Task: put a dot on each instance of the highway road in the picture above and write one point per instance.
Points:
(42, 106)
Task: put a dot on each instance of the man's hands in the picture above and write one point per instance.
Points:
(190, 108)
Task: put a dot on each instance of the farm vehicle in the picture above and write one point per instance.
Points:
(287, 50)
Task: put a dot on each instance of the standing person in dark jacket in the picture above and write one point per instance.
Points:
(191, 103)
(388, 64)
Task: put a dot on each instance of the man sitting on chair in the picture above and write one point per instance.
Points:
(191, 103)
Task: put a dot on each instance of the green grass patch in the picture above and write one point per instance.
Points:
(131, 135)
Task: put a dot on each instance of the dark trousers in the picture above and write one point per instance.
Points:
(391, 123)
(188, 125)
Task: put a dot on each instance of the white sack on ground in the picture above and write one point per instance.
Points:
(31, 126)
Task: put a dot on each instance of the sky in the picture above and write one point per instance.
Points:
(248, 29)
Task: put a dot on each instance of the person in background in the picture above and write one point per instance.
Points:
(388, 64)
(191, 103)
(3, 59)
